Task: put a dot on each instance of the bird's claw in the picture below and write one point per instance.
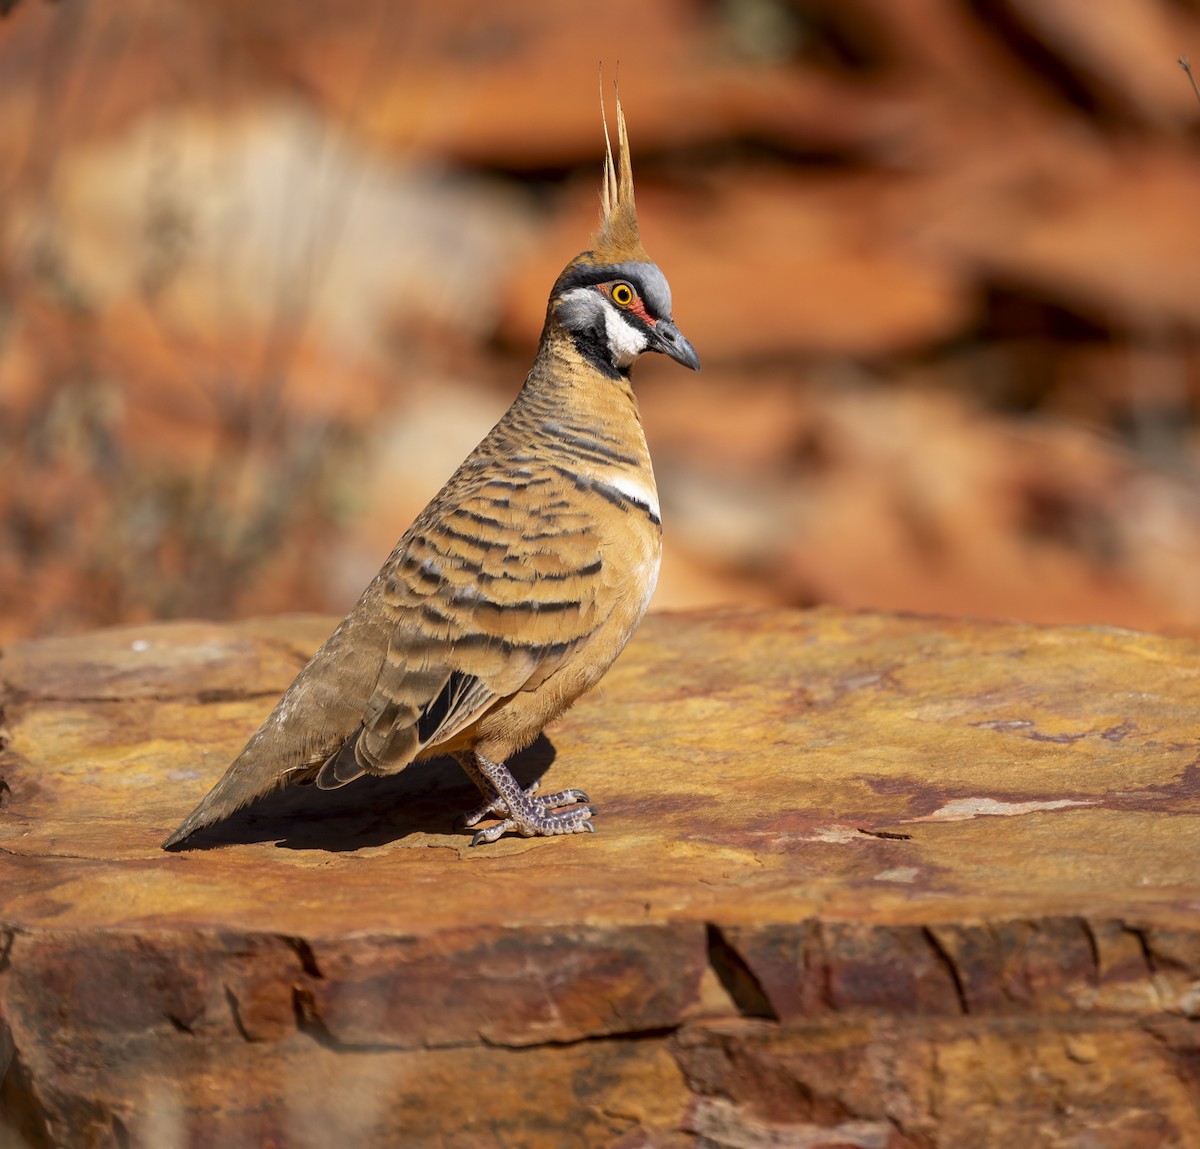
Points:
(498, 807)
(542, 824)
(520, 810)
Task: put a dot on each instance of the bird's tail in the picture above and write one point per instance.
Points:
(253, 774)
(314, 718)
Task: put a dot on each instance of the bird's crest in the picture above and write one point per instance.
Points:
(617, 238)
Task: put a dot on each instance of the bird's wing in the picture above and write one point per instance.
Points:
(489, 596)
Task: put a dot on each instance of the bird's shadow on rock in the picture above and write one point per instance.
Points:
(424, 797)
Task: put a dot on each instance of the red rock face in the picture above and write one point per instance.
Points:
(858, 879)
(940, 261)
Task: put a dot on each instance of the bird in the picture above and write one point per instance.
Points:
(518, 585)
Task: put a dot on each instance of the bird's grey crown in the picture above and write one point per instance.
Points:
(651, 284)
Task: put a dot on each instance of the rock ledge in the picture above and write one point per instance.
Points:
(858, 880)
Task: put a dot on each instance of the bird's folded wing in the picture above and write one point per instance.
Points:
(488, 599)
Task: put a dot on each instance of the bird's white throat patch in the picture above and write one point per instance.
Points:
(625, 341)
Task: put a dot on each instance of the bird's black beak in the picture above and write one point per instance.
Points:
(669, 341)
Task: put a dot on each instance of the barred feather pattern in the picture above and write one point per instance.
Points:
(508, 597)
(526, 577)
(517, 586)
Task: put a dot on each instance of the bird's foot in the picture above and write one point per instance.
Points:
(498, 808)
(537, 822)
(522, 811)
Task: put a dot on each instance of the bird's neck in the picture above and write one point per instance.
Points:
(565, 390)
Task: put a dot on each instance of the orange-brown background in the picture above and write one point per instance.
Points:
(268, 270)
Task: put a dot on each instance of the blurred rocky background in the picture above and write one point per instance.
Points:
(268, 271)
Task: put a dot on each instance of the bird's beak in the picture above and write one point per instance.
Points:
(669, 341)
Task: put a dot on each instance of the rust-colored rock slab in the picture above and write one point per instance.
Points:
(866, 880)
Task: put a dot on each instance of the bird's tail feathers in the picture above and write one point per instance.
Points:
(253, 774)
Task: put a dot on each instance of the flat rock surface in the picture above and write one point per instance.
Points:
(808, 821)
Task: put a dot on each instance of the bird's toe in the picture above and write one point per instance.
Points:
(533, 821)
(551, 802)
(498, 807)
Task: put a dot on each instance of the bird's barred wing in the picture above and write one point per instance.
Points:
(489, 597)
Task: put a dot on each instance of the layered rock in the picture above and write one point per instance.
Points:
(858, 879)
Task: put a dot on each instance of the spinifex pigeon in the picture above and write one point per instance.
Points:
(518, 585)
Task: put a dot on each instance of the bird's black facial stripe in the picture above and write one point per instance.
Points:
(649, 282)
(583, 317)
(609, 338)
(592, 344)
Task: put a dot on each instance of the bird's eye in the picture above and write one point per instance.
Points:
(622, 294)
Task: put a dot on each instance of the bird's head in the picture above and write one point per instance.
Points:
(612, 300)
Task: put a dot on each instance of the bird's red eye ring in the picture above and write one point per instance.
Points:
(622, 294)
